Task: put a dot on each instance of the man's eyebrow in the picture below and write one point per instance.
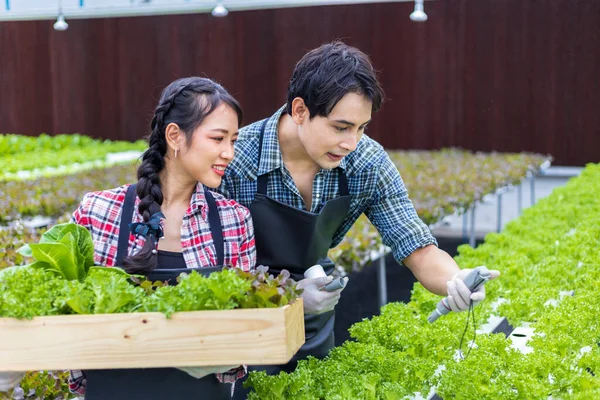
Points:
(343, 121)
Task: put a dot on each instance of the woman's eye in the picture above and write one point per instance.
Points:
(218, 139)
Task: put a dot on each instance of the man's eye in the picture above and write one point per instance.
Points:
(364, 128)
(341, 129)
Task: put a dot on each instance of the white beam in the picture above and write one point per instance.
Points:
(23, 10)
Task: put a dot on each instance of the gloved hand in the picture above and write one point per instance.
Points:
(459, 295)
(318, 301)
(201, 372)
(10, 379)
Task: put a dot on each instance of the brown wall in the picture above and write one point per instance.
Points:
(506, 75)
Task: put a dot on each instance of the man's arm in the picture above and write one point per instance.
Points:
(412, 243)
(433, 268)
(394, 215)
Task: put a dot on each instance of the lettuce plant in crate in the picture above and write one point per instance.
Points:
(63, 280)
(41, 385)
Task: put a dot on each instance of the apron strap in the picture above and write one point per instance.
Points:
(214, 221)
(216, 230)
(342, 183)
(126, 217)
(262, 180)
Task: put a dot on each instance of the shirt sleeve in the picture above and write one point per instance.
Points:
(77, 382)
(247, 256)
(233, 374)
(394, 216)
(81, 215)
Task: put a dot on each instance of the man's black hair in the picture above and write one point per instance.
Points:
(326, 74)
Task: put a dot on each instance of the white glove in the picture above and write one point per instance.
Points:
(201, 372)
(318, 301)
(10, 379)
(459, 295)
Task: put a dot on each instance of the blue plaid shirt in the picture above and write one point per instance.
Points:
(374, 183)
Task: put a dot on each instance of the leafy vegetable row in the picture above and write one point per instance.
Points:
(429, 176)
(553, 247)
(57, 195)
(439, 183)
(60, 162)
(11, 144)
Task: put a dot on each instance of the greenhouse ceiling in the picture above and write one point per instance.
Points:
(22, 10)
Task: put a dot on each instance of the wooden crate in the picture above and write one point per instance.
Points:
(252, 336)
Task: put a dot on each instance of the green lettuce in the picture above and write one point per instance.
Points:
(66, 250)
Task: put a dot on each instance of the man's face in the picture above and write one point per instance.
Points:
(329, 139)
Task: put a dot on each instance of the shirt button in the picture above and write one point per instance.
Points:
(317, 195)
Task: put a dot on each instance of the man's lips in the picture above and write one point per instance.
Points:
(335, 157)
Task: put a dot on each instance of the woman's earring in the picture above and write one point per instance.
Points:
(176, 151)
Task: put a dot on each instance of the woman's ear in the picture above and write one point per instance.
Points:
(173, 136)
(300, 112)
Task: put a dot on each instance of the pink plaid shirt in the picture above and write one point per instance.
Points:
(100, 213)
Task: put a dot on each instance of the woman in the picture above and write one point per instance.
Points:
(172, 225)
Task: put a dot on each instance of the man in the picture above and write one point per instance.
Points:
(309, 171)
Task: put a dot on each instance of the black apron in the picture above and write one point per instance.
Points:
(159, 383)
(293, 239)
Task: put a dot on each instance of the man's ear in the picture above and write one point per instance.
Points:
(300, 112)
(173, 136)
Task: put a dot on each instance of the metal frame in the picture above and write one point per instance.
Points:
(75, 9)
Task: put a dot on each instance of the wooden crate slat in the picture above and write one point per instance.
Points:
(137, 340)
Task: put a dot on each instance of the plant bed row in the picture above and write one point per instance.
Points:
(440, 183)
(552, 247)
(50, 161)
(11, 144)
(57, 195)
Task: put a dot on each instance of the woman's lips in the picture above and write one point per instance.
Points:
(219, 169)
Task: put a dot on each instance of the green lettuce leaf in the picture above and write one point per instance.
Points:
(72, 264)
(59, 256)
(83, 238)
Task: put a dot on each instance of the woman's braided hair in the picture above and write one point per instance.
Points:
(185, 102)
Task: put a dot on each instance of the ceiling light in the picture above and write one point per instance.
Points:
(61, 24)
(418, 15)
(220, 10)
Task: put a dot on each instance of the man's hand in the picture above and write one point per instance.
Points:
(459, 295)
(317, 301)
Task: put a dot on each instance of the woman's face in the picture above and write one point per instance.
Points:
(210, 149)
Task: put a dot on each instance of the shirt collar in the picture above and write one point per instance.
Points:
(198, 204)
(198, 201)
(270, 158)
